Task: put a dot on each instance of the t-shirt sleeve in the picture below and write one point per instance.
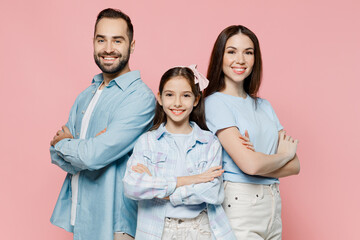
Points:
(272, 114)
(218, 115)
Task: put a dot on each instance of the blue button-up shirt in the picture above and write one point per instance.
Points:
(157, 151)
(125, 108)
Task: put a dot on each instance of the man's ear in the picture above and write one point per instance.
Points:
(132, 46)
(158, 98)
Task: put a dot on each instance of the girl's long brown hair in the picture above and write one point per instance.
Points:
(215, 72)
(198, 113)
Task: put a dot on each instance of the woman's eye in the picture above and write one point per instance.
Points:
(187, 95)
(168, 95)
(231, 52)
(250, 53)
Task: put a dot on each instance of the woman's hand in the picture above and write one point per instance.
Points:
(245, 140)
(287, 145)
(139, 168)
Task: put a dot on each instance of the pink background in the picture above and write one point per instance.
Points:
(310, 53)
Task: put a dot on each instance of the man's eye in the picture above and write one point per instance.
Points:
(100, 41)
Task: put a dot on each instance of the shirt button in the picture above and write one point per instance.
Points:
(93, 92)
(83, 112)
(191, 170)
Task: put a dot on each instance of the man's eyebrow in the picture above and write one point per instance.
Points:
(119, 37)
(113, 37)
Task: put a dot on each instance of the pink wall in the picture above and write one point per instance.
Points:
(310, 52)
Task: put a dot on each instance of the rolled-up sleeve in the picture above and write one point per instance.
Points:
(130, 120)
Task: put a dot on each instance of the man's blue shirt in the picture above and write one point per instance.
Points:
(125, 108)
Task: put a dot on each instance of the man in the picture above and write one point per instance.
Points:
(94, 146)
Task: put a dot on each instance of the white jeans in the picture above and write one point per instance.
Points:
(254, 210)
(187, 229)
(122, 236)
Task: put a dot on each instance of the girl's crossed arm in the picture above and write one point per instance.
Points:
(200, 191)
(138, 185)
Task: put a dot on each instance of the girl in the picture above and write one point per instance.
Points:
(252, 200)
(175, 170)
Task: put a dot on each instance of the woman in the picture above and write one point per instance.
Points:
(235, 112)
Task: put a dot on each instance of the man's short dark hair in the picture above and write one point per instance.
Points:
(116, 13)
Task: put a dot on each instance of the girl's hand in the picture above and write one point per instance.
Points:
(246, 141)
(287, 145)
(209, 175)
(139, 168)
(204, 177)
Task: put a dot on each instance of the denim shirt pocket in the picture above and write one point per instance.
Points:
(200, 162)
(155, 158)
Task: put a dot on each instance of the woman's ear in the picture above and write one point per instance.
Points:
(158, 98)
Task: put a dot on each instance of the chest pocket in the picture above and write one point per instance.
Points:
(155, 158)
(201, 161)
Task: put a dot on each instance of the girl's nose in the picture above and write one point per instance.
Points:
(177, 102)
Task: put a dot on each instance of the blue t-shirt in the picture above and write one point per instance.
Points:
(223, 111)
(184, 210)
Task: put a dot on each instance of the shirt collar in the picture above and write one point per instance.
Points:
(123, 81)
(197, 136)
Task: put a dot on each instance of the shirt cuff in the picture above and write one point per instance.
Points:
(177, 197)
(171, 185)
(60, 145)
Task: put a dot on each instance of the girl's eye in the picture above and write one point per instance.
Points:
(168, 94)
(187, 95)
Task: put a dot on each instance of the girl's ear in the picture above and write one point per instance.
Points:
(158, 98)
(197, 100)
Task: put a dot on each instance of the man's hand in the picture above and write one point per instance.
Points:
(101, 132)
(61, 134)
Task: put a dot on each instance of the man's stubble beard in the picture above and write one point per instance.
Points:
(115, 69)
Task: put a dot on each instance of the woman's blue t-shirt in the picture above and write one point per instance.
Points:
(223, 111)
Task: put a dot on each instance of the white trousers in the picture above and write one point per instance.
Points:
(122, 236)
(254, 210)
(187, 229)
